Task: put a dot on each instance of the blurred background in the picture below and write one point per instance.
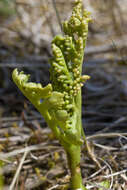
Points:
(26, 31)
(27, 28)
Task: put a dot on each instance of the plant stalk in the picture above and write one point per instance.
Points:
(73, 156)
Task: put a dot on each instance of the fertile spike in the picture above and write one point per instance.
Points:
(61, 105)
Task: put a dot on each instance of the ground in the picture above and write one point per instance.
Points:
(30, 157)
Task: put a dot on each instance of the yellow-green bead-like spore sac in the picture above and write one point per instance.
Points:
(68, 52)
(60, 102)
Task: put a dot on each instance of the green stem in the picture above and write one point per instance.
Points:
(73, 155)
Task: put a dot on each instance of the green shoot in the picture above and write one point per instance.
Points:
(61, 105)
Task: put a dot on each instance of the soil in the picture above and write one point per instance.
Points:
(30, 156)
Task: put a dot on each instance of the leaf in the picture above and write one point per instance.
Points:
(105, 184)
(29, 89)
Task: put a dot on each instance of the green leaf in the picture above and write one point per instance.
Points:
(105, 184)
(29, 89)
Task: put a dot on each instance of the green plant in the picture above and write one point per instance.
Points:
(60, 102)
(1, 175)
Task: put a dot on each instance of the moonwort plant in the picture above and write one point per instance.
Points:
(60, 102)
